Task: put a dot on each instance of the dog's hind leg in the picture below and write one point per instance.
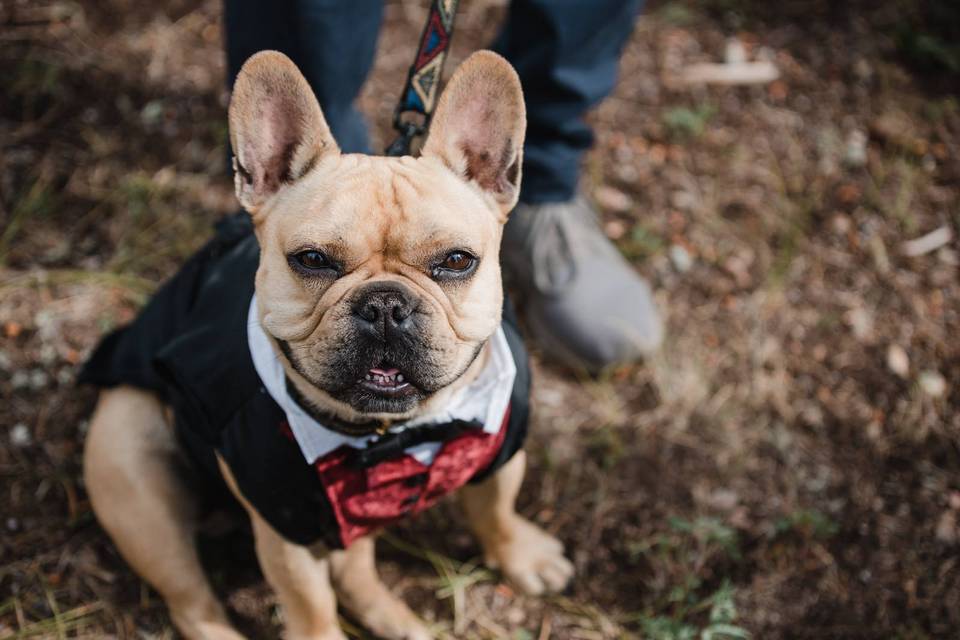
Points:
(130, 470)
(361, 592)
(530, 557)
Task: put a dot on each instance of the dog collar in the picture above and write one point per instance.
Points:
(483, 401)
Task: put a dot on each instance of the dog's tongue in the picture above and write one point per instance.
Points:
(387, 373)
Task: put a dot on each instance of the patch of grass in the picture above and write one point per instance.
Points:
(905, 174)
(684, 123)
(939, 110)
(37, 201)
(641, 243)
(153, 229)
(35, 79)
(137, 192)
(59, 625)
(606, 445)
(928, 38)
(912, 631)
(676, 14)
(453, 578)
(680, 557)
(690, 541)
(136, 290)
(719, 625)
(790, 237)
(808, 523)
(710, 532)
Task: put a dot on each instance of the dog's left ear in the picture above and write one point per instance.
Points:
(277, 130)
(479, 126)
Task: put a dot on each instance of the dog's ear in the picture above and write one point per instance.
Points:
(479, 126)
(277, 130)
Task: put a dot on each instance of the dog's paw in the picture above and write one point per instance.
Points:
(393, 620)
(531, 559)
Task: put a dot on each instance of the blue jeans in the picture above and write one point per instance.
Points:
(565, 51)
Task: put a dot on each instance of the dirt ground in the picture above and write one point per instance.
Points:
(787, 467)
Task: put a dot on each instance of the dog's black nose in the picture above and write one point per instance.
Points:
(384, 310)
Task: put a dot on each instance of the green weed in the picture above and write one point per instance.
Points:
(676, 14)
(720, 623)
(641, 243)
(688, 548)
(36, 201)
(606, 445)
(808, 523)
(684, 123)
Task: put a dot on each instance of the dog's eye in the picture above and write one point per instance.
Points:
(456, 264)
(311, 261)
(458, 261)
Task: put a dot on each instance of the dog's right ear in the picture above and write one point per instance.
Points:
(277, 130)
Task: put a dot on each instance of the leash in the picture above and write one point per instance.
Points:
(419, 95)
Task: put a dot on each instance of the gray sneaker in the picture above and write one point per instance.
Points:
(584, 303)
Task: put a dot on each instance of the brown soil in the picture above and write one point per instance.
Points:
(789, 465)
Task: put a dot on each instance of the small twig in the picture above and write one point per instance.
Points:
(545, 627)
(927, 243)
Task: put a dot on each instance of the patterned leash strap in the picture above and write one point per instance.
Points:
(419, 94)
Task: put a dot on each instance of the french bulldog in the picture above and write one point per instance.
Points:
(374, 293)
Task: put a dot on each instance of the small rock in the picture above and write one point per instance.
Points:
(516, 615)
(946, 530)
(13, 524)
(20, 379)
(841, 224)
(932, 383)
(681, 258)
(735, 52)
(152, 112)
(855, 151)
(896, 128)
(20, 435)
(898, 361)
(12, 329)
(615, 229)
(723, 499)
(861, 322)
(612, 199)
(48, 354)
(38, 379)
(862, 69)
(945, 255)
(47, 325)
(626, 173)
(954, 500)
(65, 376)
(820, 352)
(683, 200)
(812, 415)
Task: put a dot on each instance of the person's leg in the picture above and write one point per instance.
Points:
(566, 53)
(583, 301)
(333, 42)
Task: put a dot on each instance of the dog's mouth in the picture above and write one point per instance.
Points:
(387, 381)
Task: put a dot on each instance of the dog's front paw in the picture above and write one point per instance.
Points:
(395, 623)
(531, 559)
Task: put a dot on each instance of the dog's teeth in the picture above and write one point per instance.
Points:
(369, 377)
(399, 377)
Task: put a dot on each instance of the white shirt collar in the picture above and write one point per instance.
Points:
(484, 400)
